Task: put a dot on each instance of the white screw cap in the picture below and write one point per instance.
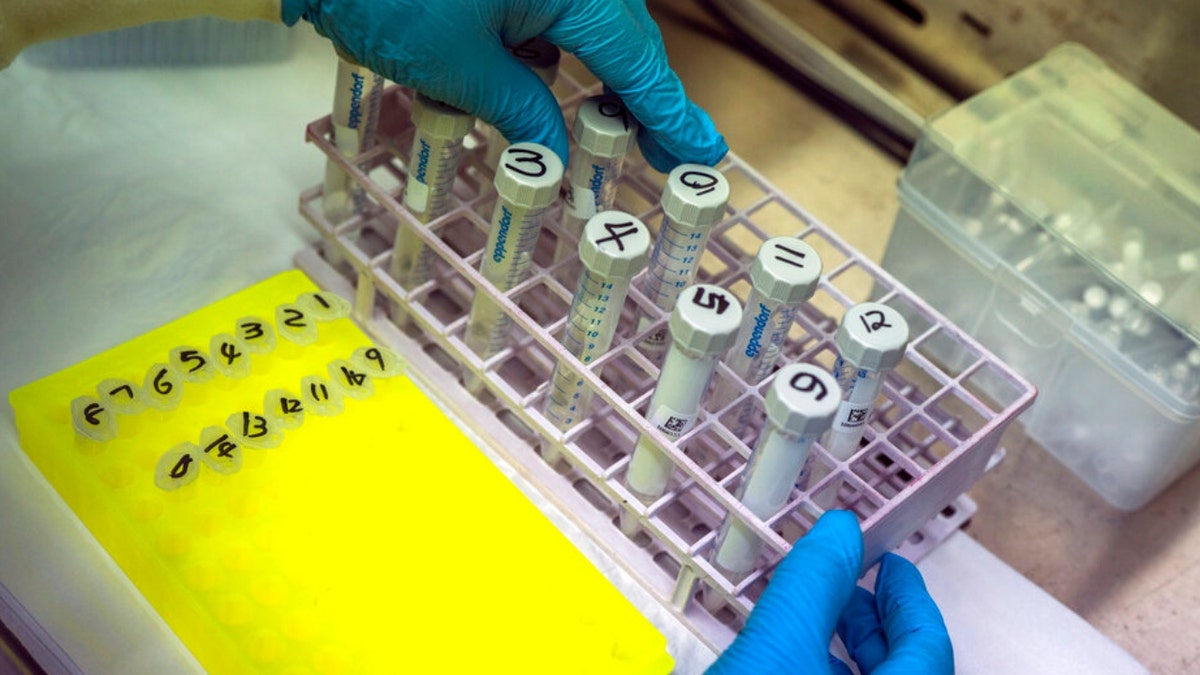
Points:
(614, 245)
(604, 127)
(872, 336)
(803, 399)
(705, 319)
(695, 195)
(440, 120)
(786, 270)
(528, 175)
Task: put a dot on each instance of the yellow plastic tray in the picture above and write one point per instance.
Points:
(374, 539)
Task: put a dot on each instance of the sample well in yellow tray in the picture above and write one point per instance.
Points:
(290, 502)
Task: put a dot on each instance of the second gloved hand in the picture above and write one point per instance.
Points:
(453, 51)
(813, 592)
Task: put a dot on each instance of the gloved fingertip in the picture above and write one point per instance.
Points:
(794, 619)
(915, 630)
(899, 576)
(654, 153)
(523, 109)
(859, 611)
(823, 566)
(835, 541)
(891, 562)
(559, 146)
(694, 140)
(861, 632)
(841, 526)
(291, 11)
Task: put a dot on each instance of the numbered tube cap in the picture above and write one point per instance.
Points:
(872, 336)
(440, 120)
(529, 175)
(705, 319)
(604, 127)
(324, 306)
(786, 270)
(615, 245)
(121, 396)
(803, 399)
(92, 419)
(541, 55)
(695, 195)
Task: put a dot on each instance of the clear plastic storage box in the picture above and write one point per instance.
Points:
(1056, 216)
(935, 430)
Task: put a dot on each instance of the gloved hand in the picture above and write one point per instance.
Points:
(898, 629)
(453, 51)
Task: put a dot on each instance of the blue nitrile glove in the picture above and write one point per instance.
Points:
(813, 592)
(453, 51)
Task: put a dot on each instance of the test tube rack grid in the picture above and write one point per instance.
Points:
(934, 433)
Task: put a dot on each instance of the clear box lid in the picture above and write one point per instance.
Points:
(1067, 170)
(1096, 163)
